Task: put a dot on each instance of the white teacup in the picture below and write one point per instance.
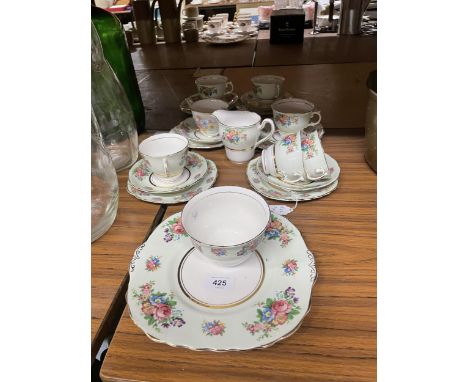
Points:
(202, 111)
(215, 25)
(244, 24)
(226, 224)
(224, 16)
(267, 86)
(240, 131)
(213, 86)
(293, 114)
(296, 157)
(166, 155)
(190, 11)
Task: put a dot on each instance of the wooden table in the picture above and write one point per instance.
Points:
(337, 340)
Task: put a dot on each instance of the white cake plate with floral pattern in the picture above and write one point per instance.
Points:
(203, 184)
(268, 190)
(140, 175)
(178, 297)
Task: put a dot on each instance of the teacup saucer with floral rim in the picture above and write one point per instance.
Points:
(186, 129)
(230, 98)
(333, 168)
(180, 196)
(268, 190)
(142, 178)
(178, 297)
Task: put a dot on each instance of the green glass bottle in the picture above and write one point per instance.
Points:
(117, 54)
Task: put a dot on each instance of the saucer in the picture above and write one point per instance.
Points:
(183, 195)
(266, 189)
(194, 134)
(248, 101)
(194, 142)
(252, 31)
(178, 297)
(230, 98)
(302, 186)
(141, 177)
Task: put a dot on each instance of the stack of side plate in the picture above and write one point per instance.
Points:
(200, 175)
(277, 189)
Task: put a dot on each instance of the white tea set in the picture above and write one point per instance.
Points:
(221, 31)
(266, 90)
(168, 173)
(226, 274)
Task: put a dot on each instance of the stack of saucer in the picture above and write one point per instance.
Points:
(152, 178)
(266, 90)
(295, 168)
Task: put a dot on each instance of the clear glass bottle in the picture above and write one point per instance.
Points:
(112, 109)
(104, 185)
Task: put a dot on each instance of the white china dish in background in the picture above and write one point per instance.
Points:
(214, 25)
(213, 86)
(267, 86)
(166, 154)
(240, 132)
(226, 224)
(293, 114)
(202, 114)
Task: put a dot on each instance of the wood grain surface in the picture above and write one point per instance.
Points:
(337, 340)
(110, 256)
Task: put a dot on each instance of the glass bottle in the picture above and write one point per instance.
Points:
(112, 109)
(114, 45)
(104, 185)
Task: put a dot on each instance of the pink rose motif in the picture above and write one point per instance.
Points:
(259, 326)
(292, 265)
(284, 237)
(178, 229)
(215, 330)
(275, 224)
(281, 306)
(162, 311)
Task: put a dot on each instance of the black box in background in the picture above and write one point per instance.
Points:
(286, 26)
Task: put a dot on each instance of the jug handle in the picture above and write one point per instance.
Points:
(269, 135)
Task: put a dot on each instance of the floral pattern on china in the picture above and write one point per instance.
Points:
(273, 313)
(286, 120)
(213, 328)
(277, 231)
(173, 230)
(289, 141)
(159, 309)
(309, 148)
(208, 91)
(234, 135)
(207, 123)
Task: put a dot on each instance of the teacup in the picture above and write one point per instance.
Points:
(296, 157)
(240, 131)
(213, 86)
(293, 114)
(224, 16)
(244, 24)
(214, 25)
(267, 86)
(202, 111)
(190, 11)
(226, 224)
(264, 12)
(313, 156)
(166, 155)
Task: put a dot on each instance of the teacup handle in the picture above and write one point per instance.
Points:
(312, 116)
(277, 91)
(269, 135)
(189, 100)
(229, 87)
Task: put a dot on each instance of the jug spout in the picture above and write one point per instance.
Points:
(236, 118)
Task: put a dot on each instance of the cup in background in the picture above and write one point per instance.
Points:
(202, 111)
(267, 86)
(293, 114)
(214, 25)
(213, 86)
(190, 11)
(224, 16)
(244, 24)
(166, 155)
